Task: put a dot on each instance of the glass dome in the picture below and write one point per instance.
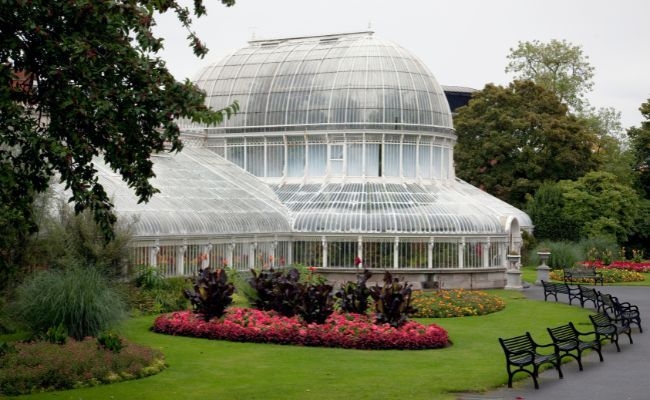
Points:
(342, 81)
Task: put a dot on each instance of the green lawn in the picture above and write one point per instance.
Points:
(204, 369)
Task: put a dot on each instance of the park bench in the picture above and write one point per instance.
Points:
(623, 312)
(555, 288)
(522, 355)
(608, 329)
(589, 294)
(570, 342)
(585, 273)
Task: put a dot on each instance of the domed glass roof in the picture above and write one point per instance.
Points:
(342, 81)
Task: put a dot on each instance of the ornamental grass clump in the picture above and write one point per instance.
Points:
(79, 300)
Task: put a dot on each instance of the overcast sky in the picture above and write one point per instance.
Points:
(462, 42)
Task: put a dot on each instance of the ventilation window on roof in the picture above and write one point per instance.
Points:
(326, 40)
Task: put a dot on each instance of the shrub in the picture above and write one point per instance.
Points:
(392, 301)
(45, 366)
(212, 293)
(57, 335)
(276, 290)
(316, 302)
(290, 293)
(563, 254)
(80, 299)
(353, 297)
(156, 301)
(6, 348)
(600, 248)
(111, 341)
(149, 277)
(245, 295)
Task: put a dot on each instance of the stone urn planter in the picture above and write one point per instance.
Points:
(513, 273)
(543, 270)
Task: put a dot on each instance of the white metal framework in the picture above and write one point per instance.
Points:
(342, 151)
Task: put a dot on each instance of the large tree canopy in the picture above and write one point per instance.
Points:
(601, 205)
(640, 148)
(81, 80)
(512, 139)
(557, 65)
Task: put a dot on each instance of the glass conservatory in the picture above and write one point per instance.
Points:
(341, 157)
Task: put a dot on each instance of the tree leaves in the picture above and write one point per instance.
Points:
(84, 83)
(512, 139)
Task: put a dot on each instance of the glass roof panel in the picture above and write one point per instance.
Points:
(409, 208)
(201, 194)
(333, 66)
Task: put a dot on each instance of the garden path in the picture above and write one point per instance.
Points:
(622, 376)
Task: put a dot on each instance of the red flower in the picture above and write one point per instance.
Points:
(339, 330)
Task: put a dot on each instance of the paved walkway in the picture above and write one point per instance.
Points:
(621, 376)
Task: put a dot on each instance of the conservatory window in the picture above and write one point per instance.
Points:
(372, 160)
(336, 159)
(236, 155)
(445, 162)
(437, 162)
(295, 159)
(275, 160)
(409, 159)
(425, 161)
(391, 159)
(255, 159)
(316, 159)
(355, 159)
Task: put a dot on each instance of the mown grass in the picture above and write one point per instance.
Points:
(200, 369)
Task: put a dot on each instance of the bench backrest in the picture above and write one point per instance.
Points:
(600, 319)
(517, 344)
(588, 292)
(563, 333)
(608, 301)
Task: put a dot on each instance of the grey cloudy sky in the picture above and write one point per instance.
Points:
(463, 42)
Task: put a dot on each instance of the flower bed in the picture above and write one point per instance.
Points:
(339, 330)
(43, 366)
(455, 303)
(624, 265)
(610, 275)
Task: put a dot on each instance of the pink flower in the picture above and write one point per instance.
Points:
(339, 330)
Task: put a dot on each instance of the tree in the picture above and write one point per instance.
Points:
(80, 81)
(546, 209)
(512, 139)
(558, 66)
(640, 149)
(601, 206)
(611, 145)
